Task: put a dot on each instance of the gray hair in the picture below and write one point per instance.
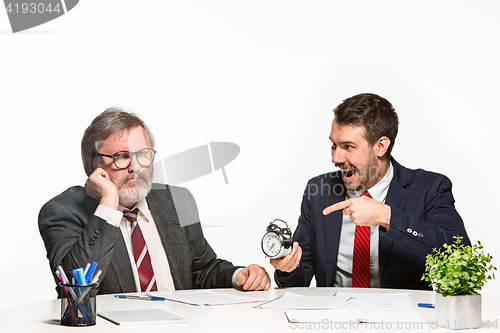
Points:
(112, 120)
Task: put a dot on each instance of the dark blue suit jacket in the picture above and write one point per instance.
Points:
(423, 217)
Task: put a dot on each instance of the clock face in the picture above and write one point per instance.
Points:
(271, 244)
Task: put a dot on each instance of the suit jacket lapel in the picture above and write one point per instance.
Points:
(164, 213)
(122, 267)
(332, 228)
(396, 198)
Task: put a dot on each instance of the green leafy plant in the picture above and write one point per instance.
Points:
(459, 269)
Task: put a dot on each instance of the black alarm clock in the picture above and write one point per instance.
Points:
(277, 242)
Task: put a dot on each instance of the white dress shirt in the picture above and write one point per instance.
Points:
(343, 277)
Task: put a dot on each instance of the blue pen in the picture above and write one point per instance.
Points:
(76, 278)
(426, 305)
(146, 298)
(90, 272)
(81, 276)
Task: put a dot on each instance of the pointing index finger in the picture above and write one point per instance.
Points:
(337, 206)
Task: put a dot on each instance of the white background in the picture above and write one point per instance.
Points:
(262, 74)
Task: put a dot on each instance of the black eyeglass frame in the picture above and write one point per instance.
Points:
(131, 157)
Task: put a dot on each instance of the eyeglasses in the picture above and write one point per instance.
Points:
(123, 159)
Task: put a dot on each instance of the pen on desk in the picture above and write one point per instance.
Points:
(146, 298)
(426, 305)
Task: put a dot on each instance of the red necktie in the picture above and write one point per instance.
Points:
(361, 255)
(141, 254)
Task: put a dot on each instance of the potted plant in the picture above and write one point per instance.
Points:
(457, 274)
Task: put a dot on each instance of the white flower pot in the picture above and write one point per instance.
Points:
(458, 312)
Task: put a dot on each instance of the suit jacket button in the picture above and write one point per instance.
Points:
(415, 233)
(420, 235)
(409, 230)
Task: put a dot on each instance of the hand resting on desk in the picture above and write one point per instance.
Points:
(253, 277)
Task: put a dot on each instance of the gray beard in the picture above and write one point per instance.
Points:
(135, 194)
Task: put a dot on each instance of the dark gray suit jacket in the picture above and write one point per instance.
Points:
(74, 236)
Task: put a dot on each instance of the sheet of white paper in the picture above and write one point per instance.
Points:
(372, 316)
(142, 317)
(379, 301)
(294, 301)
(321, 316)
(205, 297)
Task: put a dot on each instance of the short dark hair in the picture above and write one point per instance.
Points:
(372, 111)
(112, 120)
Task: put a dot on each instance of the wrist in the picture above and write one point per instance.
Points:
(109, 215)
(385, 218)
(234, 279)
(110, 202)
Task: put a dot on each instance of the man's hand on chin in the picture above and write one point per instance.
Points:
(99, 186)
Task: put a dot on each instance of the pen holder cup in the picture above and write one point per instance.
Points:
(78, 304)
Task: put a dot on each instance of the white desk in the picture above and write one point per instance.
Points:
(45, 316)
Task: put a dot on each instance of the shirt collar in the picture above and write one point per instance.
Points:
(379, 190)
(142, 205)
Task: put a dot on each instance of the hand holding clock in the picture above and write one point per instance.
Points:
(290, 262)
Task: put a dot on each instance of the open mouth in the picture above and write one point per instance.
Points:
(347, 171)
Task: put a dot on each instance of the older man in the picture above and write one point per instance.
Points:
(144, 236)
